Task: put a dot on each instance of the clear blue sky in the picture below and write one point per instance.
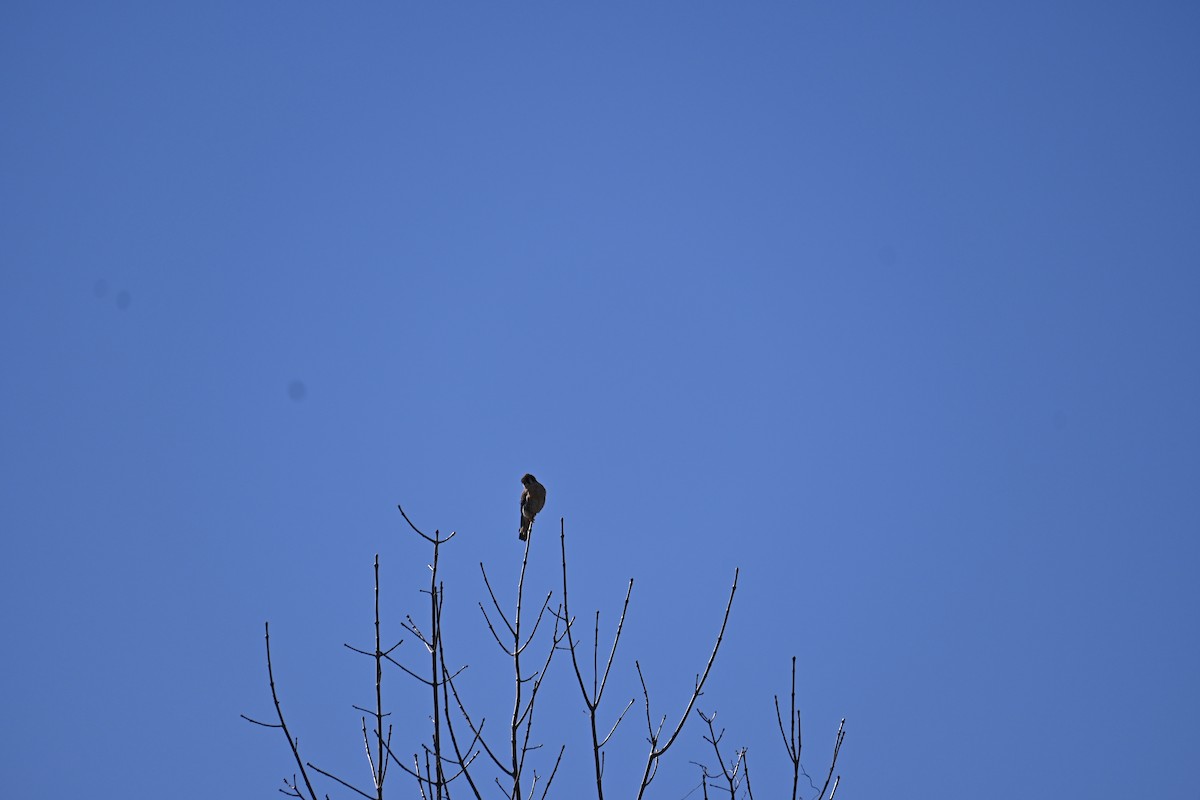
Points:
(892, 305)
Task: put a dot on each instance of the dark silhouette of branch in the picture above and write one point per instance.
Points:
(463, 760)
(553, 772)
(431, 539)
(293, 743)
(476, 730)
(730, 773)
(837, 746)
(435, 776)
(793, 740)
(592, 699)
(377, 761)
(339, 780)
(526, 688)
(435, 624)
(656, 750)
(523, 709)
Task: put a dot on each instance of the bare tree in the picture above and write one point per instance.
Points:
(457, 737)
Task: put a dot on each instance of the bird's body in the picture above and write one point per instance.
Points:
(533, 499)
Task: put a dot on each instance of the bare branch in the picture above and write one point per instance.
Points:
(837, 746)
(729, 773)
(421, 780)
(517, 758)
(410, 624)
(538, 621)
(387, 746)
(367, 710)
(656, 752)
(463, 761)
(616, 638)
(377, 773)
(435, 624)
(293, 743)
(370, 760)
(646, 694)
(793, 740)
(592, 700)
(408, 671)
(492, 628)
(554, 771)
(477, 731)
(540, 675)
(339, 780)
(431, 539)
(495, 602)
(615, 724)
(264, 724)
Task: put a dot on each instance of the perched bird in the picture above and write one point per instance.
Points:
(532, 501)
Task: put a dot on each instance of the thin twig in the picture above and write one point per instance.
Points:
(837, 746)
(496, 602)
(554, 771)
(620, 717)
(431, 539)
(339, 780)
(264, 724)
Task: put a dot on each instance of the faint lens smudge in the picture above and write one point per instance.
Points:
(297, 391)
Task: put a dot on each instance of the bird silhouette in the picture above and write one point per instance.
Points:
(533, 499)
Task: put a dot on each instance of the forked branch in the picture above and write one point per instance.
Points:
(592, 699)
(734, 774)
(282, 725)
(657, 749)
(793, 743)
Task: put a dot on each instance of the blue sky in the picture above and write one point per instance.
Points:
(892, 306)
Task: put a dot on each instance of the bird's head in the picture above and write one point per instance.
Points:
(528, 479)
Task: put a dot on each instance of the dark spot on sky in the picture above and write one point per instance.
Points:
(123, 299)
(297, 390)
(100, 288)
